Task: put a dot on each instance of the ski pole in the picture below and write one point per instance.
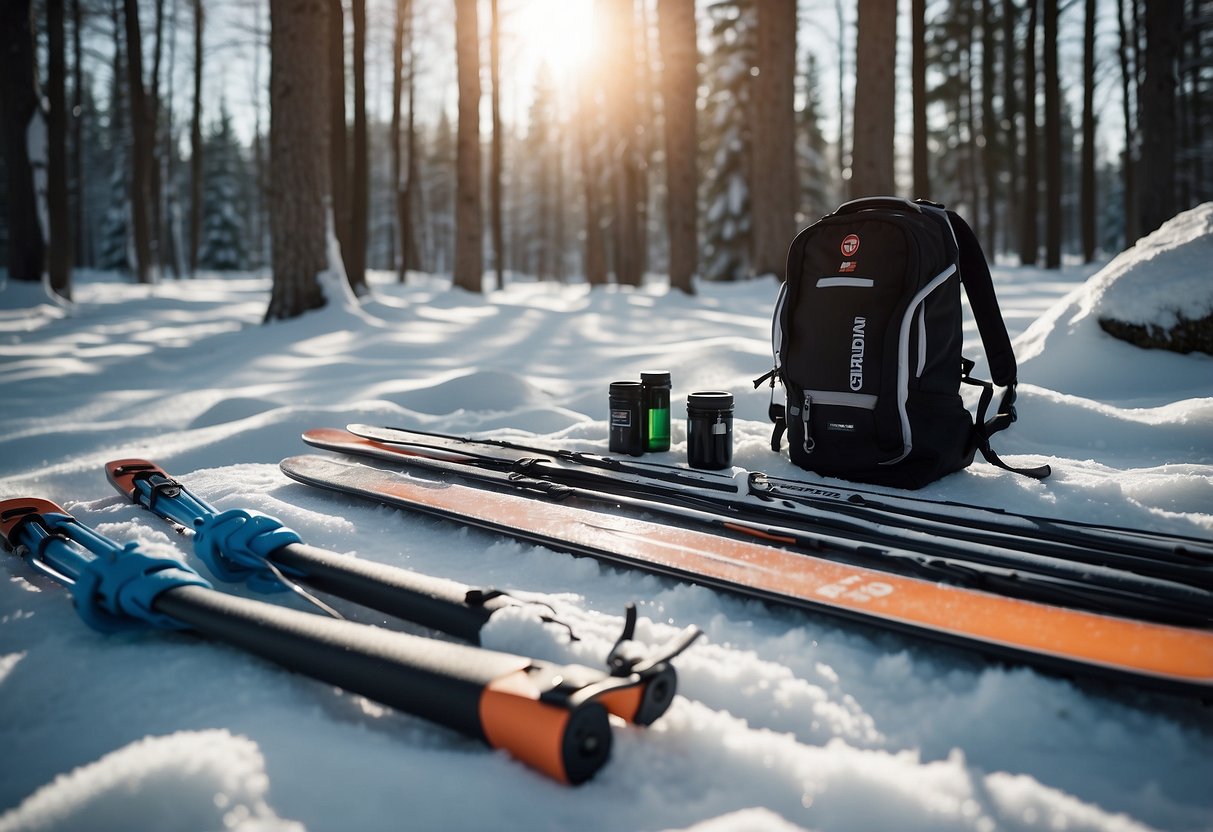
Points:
(1025, 574)
(241, 545)
(539, 712)
(1171, 556)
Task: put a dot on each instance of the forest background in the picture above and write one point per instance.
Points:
(581, 139)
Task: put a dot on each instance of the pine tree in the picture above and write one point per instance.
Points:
(113, 250)
(222, 246)
(725, 141)
(817, 193)
(113, 246)
(542, 151)
(439, 198)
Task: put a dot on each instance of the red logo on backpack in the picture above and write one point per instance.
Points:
(850, 245)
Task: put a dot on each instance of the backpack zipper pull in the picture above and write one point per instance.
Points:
(809, 442)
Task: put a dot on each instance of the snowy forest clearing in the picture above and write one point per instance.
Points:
(786, 720)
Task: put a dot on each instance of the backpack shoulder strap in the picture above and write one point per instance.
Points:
(979, 288)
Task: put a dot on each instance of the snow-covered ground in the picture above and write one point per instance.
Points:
(786, 720)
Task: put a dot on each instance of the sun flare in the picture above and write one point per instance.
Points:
(559, 33)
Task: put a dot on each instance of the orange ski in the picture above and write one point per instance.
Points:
(1061, 638)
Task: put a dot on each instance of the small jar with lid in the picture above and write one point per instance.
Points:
(656, 406)
(626, 426)
(710, 430)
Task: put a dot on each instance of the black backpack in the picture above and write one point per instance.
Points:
(867, 339)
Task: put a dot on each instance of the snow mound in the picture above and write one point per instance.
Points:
(1163, 277)
(1156, 284)
(188, 780)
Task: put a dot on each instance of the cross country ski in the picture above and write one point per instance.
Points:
(1052, 636)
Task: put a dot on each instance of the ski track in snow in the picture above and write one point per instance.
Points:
(788, 720)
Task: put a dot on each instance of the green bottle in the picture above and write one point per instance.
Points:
(656, 409)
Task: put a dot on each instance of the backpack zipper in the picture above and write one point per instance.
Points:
(903, 359)
(861, 401)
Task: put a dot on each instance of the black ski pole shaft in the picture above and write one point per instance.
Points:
(530, 709)
(495, 697)
(437, 603)
(241, 545)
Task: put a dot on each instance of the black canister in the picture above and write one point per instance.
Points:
(626, 423)
(656, 402)
(710, 430)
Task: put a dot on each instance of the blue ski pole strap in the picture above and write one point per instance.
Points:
(114, 587)
(236, 546)
(116, 591)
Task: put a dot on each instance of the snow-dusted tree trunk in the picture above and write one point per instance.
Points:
(469, 224)
(299, 169)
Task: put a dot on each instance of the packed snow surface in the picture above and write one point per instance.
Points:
(785, 720)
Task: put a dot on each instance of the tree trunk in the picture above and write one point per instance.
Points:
(59, 255)
(621, 122)
(876, 52)
(497, 163)
(155, 185)
(83, 252)
(773, 195)
(299, 174)
(586, 127)
(1128, 162)
(918, 73)
(355, 258)
(1029, 238)
(844, 160)
(990, 131)
(969, 179)
(196, 142)
(469, 224)
(1010, 115)
(394, 133)
(168, 228)
(1088, 134)
(679, 85)
(18, 102)
(338, 163)
(141, 148)
(1158, 203)
(411, 256)
(1053, 215)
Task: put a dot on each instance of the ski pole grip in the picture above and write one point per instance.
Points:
(568, 744)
